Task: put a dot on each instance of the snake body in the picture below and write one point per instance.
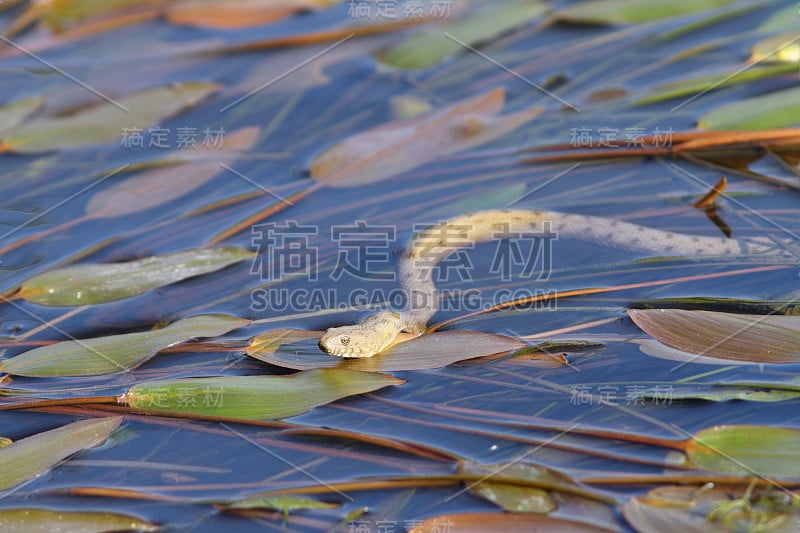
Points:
(430, 246)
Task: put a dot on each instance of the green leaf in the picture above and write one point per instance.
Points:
(713, 81)
(771, 111)
(107, 122)
(298, 350)
(284, 504)
(608, 12)
(33, 520)
(431, 46)
(114, 353)
(13, 114)
(746, 450)
(254, 397)
(750, 338)
(715, 392)
(89, 284)
(32, 456)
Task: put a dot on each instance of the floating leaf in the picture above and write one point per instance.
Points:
(751, 338)
(158, 186)
(506, 522)
(299, 351)
(89, 284)
(746, 450)
(710, 509)
(711, 82)
(107, 122)
(31, 519)
(780, 48)
(774, 110)
(431, 46)
(255, 397)
(233, 14)
(715, 392)
(13, 114)
(114, 353)
(32, 456)
(284, 504)
(388, 150)
(608, 12)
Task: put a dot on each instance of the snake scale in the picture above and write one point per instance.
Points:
(416, 266)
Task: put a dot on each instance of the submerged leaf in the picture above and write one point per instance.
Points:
(515, 497)
(774, 110)
(751, 338)
(13, 114)
(298, 350)
(32, 456)
(159, 186)
(610, 12)
(89, 284)
(114, 353)
(710, 509)
(388, 150)
(254, 397)
(106, 122)
(33, 519)
(746, 450)
(431, 46)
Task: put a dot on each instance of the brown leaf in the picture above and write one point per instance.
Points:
(738, 337)
(382, 152)
(507, 522)
(232, 14)
(158, 186)
(298, 350)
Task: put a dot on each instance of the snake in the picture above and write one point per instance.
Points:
(430, 246)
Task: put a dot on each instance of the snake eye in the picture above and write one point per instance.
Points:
(345, 340)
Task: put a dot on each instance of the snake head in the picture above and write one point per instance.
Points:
(362, 340)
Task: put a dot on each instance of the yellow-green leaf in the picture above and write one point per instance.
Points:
(746, 450)
(714, 81)
(432, 45)
(298, 350)
(780, 48)
(114, 353)
(514, 497)
(38, 520)
(770, 111)
(609, 12)
(89, 284)
(738, 337)
(284, 504)
(13, 114)
(32, 456)
(106, 121)
(254, 397)
(380, 153)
